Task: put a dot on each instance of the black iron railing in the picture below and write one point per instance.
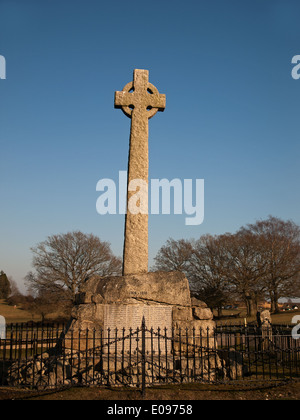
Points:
(47, 356)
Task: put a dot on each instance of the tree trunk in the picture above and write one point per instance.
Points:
(272, 302)
(276, 306)
(249, 305)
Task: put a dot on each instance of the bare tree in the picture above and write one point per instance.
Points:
(14, 289)
(206, 273)
(244, 266)
(4, 286)
(43, 305)
(63, 262)
(281, 243)
(174, 256)
(258, 261)
(198, 260)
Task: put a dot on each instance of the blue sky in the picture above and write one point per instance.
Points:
(232, 115)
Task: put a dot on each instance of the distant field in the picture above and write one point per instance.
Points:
(13, 315)
(282, 318)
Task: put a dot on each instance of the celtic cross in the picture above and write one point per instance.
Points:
(140, 101)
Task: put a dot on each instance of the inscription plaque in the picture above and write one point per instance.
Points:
(129, 318)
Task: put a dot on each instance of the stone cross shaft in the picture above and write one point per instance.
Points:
(140, 101)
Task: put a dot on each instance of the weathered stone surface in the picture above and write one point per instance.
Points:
(264, 321)
(160, 287)
(140, 101)
(202, 313)
(97, 299)
(233, 362)
(264, 318)
(182, 314)
(130, 316)
(82, 369)
(163, 299)
(88, 316)
(126, 319)
(198, 303)
(81, 298)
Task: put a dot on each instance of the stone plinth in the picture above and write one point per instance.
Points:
(170, 288)
(106, 343)
(115, 307)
